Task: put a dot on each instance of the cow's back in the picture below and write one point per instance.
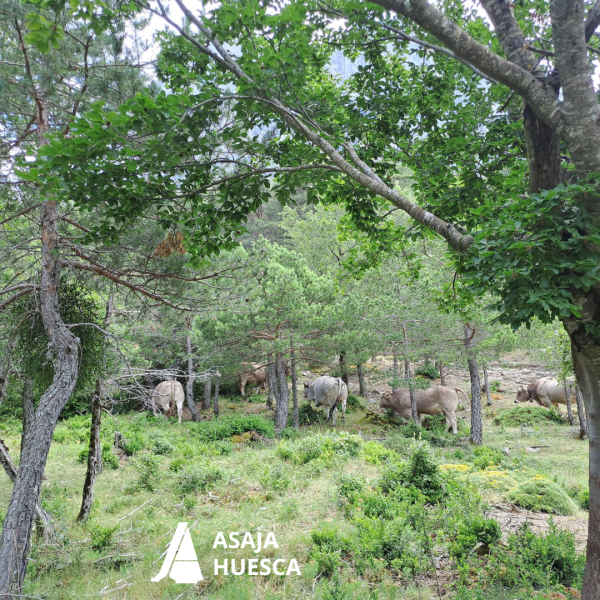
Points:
(547, 387)
(325, 390)
(436, 399)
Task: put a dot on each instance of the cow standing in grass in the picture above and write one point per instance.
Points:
(168, 395)
(546, 392)
(328, 392)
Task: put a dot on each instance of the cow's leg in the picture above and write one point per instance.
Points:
(180, 410)
(334, 416)
(242, 386)
(344, 413)
(327, 413)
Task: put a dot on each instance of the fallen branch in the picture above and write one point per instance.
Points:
(134, 511)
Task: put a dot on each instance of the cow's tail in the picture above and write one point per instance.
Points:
(464, 393)
(339, 395)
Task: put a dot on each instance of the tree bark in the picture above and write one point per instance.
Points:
(283, 401)
(476, 418)
(486, 382)
(191, 376)
(568, 400)
(272, 391)
(583, 428)
(28, 410)
(411, 391)
(343, 367)
(95, 453)
(362, 385)
(440, 366)
(395, 372)
(216, 398)
(16, 532)
(207, 390)
(5, 369)
(295, 415)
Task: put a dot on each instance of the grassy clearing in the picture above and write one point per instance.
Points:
(363, 519)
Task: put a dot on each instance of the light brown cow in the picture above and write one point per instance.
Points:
(255, 374)
(167, 395)
(546, 392)
(437, 399)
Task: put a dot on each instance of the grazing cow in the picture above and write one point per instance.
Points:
(545, 392)
(167, 395)
(437, 399)
(255, 374)
(328, 392)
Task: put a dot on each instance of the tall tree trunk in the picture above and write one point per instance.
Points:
(95, 452)
(191, 376)
(28, 410)
(583, 428)
(5, 369)
(362, 385)
(486, 382)
(216, 398)
(568, 400)
(16, 531)
(395, 372)
(411, 391)
(272, 391)
(440, 366)
(207, 390)
(295, 415)
(343, 367)
(283, 401)
(476, 419)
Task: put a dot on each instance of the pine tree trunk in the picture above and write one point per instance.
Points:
(411, 391)
(583, 428)
(191, 376)
(5, 369)
(440, 366)
(283, 401)
(28, 410)
(207, 391)
(216, 398)
(486, 382)
(16, 531)
(362, 385)
(476, 418)
(295, 415)
(272, 391)
(95, 451)
(395, 372)
(568, 400)
(343, 367)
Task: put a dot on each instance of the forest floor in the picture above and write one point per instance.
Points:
(138, 504)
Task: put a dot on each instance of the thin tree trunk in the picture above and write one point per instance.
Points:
(395, 372)
(28, 410)
(343, 367)
(440, 366)
(207, 390)
(16, 531)
(283, 401)
(362, 385)
(411, 391)
(486, 382)
(295, 415)
(583, 428)
(272, 391)
(191, 376)
(5, 369)
(95, 452)
(216, 398)
(476, 418)
(568, 401)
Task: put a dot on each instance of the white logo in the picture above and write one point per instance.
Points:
(181, 559)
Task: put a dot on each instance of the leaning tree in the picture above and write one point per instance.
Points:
(494, 109)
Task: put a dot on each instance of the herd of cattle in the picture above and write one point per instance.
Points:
(331, 392)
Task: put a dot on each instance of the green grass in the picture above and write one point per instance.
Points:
(219, 486)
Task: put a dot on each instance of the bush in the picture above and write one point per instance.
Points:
(308, 415)
(222, 428)
(537, 561)
(584, 498)
(526, 415)
(328, 548)
(323, 447)
(542, 495)
(148, 467)
(134, 443)
(375, 453)
(109, 459)
(275, 479)
(349, 486)
(428, 371)
(101, 537)
(486, 457)
(198, 478)
(161, 446)
(477, 530)
(175, 466)
(353, 402)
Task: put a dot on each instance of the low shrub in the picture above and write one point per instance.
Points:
(223, 428)
(275, 479)
(308, 415)
(328, 547)
(475, 531)
(353, 402)
(161, 446)
(148, 467)
(134, 443)
(428, 371)
(101, 537)
(322, 446)
(526, 415)
(537, 561)
(109, 459)
(542, 495)
(177, 465)
(584, 498)
(485, 457)
(375, 453)
(349, 486)
(198, 478)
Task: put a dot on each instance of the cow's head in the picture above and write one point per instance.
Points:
(288, 369)
(384, 402)
(523, 394)
(306, 388)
